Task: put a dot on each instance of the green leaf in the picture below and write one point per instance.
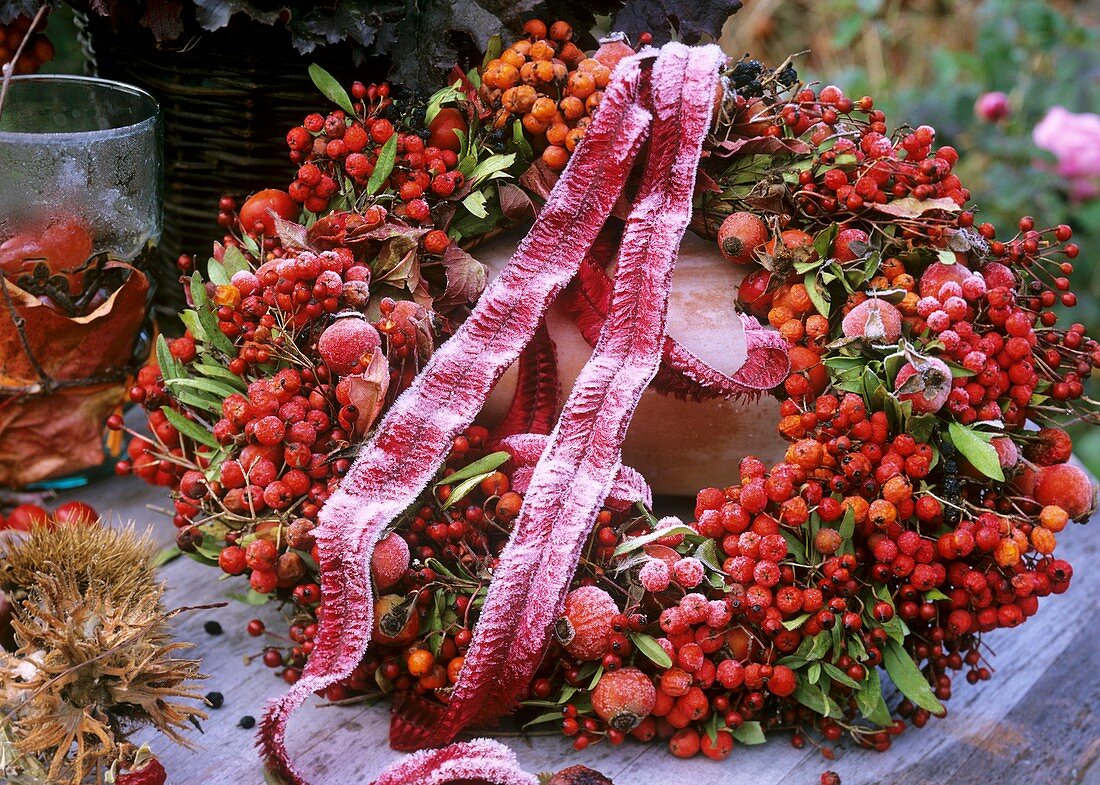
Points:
(188, 428)
(648, 646)
(750, 733)
(975, 447)
(519, 139)
(492, 49)
(214, 371)
(165, 555)
(795, 546)
(870, 702)
(823, 241)
(848, 524)
(796, 622)
(821, 643)
(191, 321)
(547, 717)
(815, 699)
(464, 488)
(170, 368)
(383, 167)
(813, 673)
(216, 273)
(475, 204)
(443, 96)
(935, 594)
(819, 295)
(252, 598)
(330, 88)
(234, 261)
(490, 463)
(707, 553)
(218, 389)
(907, 676)
(206, 317)
(839, 676)
(635, 543)
(495, 163)
(595, 678)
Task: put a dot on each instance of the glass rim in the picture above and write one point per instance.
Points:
(151, 118)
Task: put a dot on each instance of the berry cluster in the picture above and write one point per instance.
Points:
(37, 51)
(549, 83)
(330, 149)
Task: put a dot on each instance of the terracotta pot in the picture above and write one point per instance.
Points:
(680, 446)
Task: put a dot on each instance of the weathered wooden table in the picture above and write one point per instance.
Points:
(1035, 723)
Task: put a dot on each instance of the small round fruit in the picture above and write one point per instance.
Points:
(389, 561)
(347, 344)
(873, 319)
(257, 210)
(842, 246)
(23, 517)
(396, 622)
(938, 273)
(1067, 486)
(740, 235)
(927, 387)
(585, 626)
(443, 127)
(624, 698)
(75, 513)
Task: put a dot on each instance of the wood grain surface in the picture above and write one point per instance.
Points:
(1034, 723)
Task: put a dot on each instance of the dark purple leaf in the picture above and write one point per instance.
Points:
(694, 20)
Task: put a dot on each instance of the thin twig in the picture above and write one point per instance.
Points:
(9, 68)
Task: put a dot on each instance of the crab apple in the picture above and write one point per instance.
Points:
(1068, 486)
(754, 292)
(842, 246)
(927, 386)
(585, 626)
(75, 513)
(256, 212)
(873, 319)
(740, 235)
(23, 517)
(347, 344)
(444, 126)
(1051, 446)
(939, 273)
(389, 561)
(396, 622)
(997, 275)
(624, 698)
(612, 49)
(720, 748)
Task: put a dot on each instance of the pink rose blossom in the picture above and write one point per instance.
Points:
(1074, 139)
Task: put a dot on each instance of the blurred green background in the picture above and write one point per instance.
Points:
(928, 61)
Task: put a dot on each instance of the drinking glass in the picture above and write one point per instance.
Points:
(80, 216)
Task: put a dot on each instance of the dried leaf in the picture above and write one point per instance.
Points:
(910, 207)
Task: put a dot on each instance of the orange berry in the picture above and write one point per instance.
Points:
(556, 133)
(806, 453)
(571, 107)
(589, 64)
(602, 75)
(1053, 518)
(1043, 540)
(817, 326)
(434, 679)
(897, 489)
(1007, 553)
(908, 304)
(792, 330)
(904, 281)
(859, 507)
(573, 138)
(521, 47)
(420, 662)
(570, 54)
(561, 31)
(533, 125)
(535, 28)
(593, 101)
(512, 58)
(544, 71)
(581, 84)
(519, 99)
(555, 156)
(544, 109)
(791, 427)
(882, 513)
(541, 50)
(779, 315)
(453, 669)
(527, 73)
(892, 267)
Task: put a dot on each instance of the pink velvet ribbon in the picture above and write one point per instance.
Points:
(578, 466)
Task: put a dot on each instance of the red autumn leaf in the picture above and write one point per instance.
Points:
(44, 435)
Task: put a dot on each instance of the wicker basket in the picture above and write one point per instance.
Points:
(227, 98)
